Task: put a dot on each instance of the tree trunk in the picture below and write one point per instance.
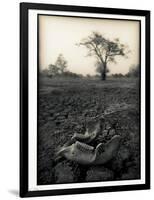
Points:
(103, 74)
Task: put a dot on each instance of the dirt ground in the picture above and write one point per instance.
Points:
(65, 106)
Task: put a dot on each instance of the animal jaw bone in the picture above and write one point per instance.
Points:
(78, 152)
(89, 135)
(85, 154)
(105, 152)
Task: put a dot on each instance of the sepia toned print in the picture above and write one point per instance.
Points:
(88, 100)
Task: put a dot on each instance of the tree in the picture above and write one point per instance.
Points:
(61, 63)
(104, 50)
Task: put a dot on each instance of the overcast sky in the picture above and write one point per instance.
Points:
(60, 35)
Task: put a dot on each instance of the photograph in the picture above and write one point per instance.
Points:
(85, 89)
(88, 100)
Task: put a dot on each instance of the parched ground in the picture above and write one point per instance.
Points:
(66, 106)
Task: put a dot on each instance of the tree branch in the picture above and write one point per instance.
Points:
(115, 54)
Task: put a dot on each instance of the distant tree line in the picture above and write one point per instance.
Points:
(59, 68)
(133, 72)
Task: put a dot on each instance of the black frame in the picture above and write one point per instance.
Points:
(24, 7)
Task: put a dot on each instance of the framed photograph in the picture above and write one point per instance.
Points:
(84, 99)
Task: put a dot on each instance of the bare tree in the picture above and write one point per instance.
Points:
(104, 50)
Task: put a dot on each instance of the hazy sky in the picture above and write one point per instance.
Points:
(60, 35)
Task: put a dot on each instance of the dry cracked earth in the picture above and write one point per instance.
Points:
(67, 106)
